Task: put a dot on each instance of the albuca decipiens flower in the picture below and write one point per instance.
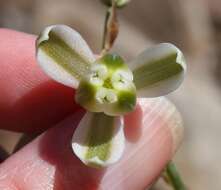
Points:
(106, 87)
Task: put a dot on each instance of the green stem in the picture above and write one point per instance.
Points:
(173, 177)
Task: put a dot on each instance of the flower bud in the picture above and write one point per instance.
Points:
(119, 3)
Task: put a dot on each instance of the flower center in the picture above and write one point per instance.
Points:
(108, 87)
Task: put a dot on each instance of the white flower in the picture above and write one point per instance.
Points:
(106, 87)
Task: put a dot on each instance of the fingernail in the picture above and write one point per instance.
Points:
(175, 124)
(170, 117)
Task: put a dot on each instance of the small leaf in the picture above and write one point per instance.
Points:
(63, 54)
(99, 139)
(158, 70)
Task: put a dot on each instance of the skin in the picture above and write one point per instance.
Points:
(31, 102)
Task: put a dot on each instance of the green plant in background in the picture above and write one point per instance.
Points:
(106, 86)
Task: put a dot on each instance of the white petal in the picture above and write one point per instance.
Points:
(63, 54)
(158, 70)
(99, 139)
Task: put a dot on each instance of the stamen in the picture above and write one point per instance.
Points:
(96, 81)
(99, 71)
(122, 79)
(105, 95)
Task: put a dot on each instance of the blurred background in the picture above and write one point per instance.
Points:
(193, 25)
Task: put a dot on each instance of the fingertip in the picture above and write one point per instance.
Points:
(50, 160)
(29, 100)
(133, 124)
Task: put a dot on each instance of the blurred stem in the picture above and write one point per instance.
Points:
(110, 28)
(3, 154)
(25, 139)
(173, 178)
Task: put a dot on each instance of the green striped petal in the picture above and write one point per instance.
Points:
(158, 70)
(99, 140)
(63, 54)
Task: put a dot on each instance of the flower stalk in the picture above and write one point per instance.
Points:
(173, 178)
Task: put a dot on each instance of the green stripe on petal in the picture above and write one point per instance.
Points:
(158, 70)
(63, 54)
(99, 139)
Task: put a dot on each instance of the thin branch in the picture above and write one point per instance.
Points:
(3, 154)
(110, 28)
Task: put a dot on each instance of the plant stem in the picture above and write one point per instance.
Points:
(25, 139)
(110, 28)
(3, 154)
(173, 177)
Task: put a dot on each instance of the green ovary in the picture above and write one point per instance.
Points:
(126, 101)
